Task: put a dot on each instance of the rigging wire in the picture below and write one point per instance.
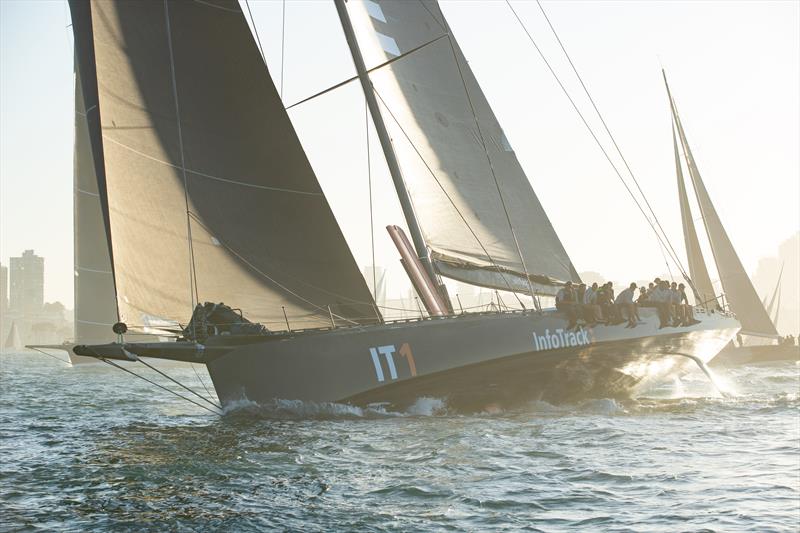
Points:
(447, 195)
(66, 362)
(591, 132)
(322, 310)
(255, 31)
(371, 216)
(154, 369)
(369, 71)
(283, 41)
(192, 271)
(203, 383)
(160, 386)
(608, 131)
(663, 256)
(491, 168)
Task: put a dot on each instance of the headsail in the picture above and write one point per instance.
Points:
(459, 168)
(95, 301)
(209, 193)
(701, 281)
(739, 290)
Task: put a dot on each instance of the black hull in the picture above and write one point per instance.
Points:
(473, 361)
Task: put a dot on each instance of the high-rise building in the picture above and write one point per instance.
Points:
(3, 289)
(27, 283)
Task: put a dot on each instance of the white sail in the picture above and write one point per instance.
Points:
(468, 188)
(739, 290)
(701, 281)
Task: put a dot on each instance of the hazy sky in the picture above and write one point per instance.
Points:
(733, 69)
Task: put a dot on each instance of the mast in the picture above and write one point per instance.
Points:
(386, 142)
(774, 294)
(700, 280)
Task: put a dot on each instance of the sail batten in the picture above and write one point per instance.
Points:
(207, 185)
(479, 215)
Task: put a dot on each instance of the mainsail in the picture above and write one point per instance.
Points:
(207, 192)
(95, 301)
(479, 215)
(739, 290)
(701, 281)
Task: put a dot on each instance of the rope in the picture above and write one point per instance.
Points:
(589, 128)
(279, 285)
(371, 216)
(255, 31)
(192, 272)
(203, 383)
(610, 135)
(175, 381)
(369, 71)
(50, 355)
(491, 168)
(112, 363)
(447, 195)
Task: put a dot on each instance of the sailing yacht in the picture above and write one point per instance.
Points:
(13, 341)
(207, 197)
(739, 293)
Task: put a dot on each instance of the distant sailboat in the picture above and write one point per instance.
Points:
(13, 341)
(207, 195)
(739, 293)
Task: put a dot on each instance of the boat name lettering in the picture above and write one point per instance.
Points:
(388, 352)
(561, 339)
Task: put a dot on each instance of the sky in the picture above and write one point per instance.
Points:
(734, 70)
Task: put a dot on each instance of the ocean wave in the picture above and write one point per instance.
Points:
(285, 409)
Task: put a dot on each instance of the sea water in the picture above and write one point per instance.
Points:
(93, 448)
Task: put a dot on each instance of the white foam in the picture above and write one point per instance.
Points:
(426, 406)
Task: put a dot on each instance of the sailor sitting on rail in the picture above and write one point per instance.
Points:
(567, 303)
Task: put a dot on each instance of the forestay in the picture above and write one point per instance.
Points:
(462, 173)
(210, 196)
(701, 281)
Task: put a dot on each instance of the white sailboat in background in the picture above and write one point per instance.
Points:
(13, 341)
(739, 294)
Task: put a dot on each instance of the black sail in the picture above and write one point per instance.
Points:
(210, 196)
